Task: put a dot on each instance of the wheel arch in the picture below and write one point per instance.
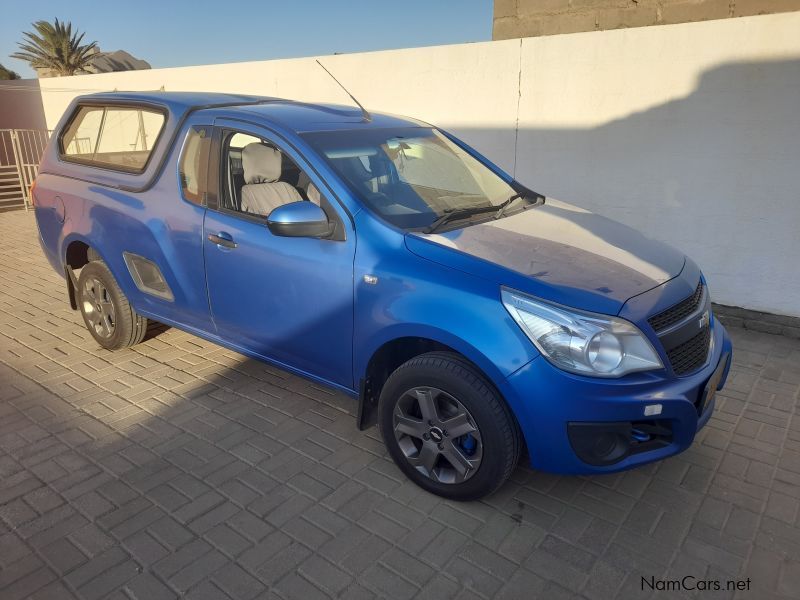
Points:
(393, 351)
(77, 253)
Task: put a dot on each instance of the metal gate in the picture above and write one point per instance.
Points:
(20, 153)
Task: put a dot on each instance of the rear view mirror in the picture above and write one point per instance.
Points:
(299, 219)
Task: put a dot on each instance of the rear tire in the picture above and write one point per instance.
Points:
(447, 428)
(108, 315)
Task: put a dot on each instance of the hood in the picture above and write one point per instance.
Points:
(558, 252)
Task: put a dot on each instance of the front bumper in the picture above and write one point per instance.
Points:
(546, 400)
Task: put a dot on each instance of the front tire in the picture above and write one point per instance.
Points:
(447, 428)
(108, 315)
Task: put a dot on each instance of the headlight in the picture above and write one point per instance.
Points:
(582, 342)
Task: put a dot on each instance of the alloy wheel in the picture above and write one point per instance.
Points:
(437, 435)
(99, 307)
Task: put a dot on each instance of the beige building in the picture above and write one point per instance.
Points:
(531, 18)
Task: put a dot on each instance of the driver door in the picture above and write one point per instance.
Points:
(287, 299)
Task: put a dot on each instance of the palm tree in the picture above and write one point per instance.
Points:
(55, 48)
(7, 73)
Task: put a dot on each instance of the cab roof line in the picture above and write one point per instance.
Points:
(122, 98)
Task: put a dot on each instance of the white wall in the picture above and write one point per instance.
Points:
(690, 133)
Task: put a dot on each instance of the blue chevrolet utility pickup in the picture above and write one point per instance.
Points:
(472, 318)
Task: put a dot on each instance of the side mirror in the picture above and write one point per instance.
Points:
(299, 219)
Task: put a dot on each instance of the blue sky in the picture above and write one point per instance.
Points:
(171, 33)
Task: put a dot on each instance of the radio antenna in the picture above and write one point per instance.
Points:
(364, 113)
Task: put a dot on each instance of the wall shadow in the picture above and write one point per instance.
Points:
(715, 174)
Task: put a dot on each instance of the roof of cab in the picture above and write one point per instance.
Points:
(178, 102)
(299, 116)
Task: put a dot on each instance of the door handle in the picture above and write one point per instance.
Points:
(222, 239)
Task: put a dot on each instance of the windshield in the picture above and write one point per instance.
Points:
(411, 176)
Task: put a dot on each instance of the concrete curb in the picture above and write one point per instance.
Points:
(758, 321)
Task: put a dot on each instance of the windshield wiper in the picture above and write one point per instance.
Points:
(452, 214)
(461, 213)
(501, 210)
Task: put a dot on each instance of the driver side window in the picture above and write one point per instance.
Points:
(257, 176)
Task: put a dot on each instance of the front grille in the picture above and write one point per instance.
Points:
(692, 354)
(678, 311)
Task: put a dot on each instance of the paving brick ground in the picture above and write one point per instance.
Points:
(181, 468)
